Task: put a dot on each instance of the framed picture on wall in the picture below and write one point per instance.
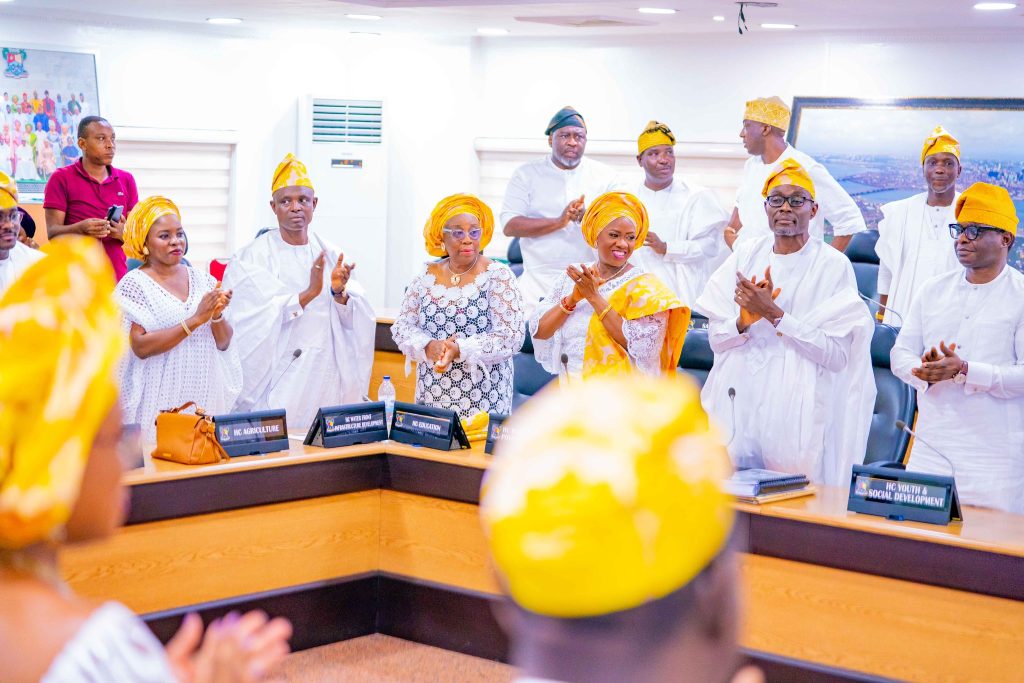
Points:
(43, 96)
(873, 147)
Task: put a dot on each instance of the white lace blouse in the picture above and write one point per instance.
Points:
(112, 645)
(194, 370)
(644, 336)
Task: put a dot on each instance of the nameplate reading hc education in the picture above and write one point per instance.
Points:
(348, 425)
(496, 431)
(265, 431)
(902, 495)
(427, 426)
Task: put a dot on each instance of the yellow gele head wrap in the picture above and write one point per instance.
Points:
(654, 134)
(587, 515)
(770, 110)
(60, 333)
(608, 207)
(290, 173)
(8, 191)
(141, 220)
(447, 209)
(789, 172)
(988, 205)
(940, 141)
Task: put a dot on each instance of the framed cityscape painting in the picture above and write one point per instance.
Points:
(873, 146)
(43, 96)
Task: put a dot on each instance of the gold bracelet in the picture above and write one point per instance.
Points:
(604, 312)
(567, 311)
(218, 319)
(188, 332)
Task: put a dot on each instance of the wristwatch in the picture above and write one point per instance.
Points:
(961, 376)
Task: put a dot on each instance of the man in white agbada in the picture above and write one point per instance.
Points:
(962, 348)
(913, 236)
(545, 202)
(765, 121)
(792, 349)
(15, 257)
(684, 243)
(304, 330)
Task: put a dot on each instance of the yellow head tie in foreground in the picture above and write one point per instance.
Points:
(140, 222)
(8, 191)
(449, 208)
(60, 331)
(607, 208)
(940, 141)
(789, 172)
(655, 134)
(587, 514)
(770, 110)
(290, 173)
(988, 205)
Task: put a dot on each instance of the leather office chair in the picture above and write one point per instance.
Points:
(515, 257)
(529, 376)
(895, 400)
(861, 252)
(697, 358)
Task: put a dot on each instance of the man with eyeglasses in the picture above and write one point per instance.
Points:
(545, 201)
(15, 257)
(765, 121)
(913, 236)
(792, 387)
(303, 328)
(962, 348)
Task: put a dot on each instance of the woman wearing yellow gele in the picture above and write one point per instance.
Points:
(610, 316)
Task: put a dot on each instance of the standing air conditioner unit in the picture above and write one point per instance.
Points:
(342, 144)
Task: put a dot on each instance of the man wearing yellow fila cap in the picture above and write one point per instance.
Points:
(15, 257)
(962, 348)
(913, 235)
(611, 537)
(765, 122)
(792, 381)
(685, 236)
(303, 328)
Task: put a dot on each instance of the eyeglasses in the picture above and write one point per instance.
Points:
(972, 231)
(13, 217)
(459, 234)
(777, 200)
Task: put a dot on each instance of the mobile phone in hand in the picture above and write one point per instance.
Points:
(114, 213)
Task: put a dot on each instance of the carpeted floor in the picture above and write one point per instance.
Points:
(383, 659)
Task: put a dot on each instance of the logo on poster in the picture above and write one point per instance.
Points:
(14, 62)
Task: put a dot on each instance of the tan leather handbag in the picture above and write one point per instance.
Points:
(187, 438)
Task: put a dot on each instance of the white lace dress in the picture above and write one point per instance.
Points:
(486, 316)
(112, 645)
(644, 336)
(194, 370)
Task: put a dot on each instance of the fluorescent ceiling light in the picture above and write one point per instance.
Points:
(364, 34)
(718, 17)
(363, 17)
(655, 10)
(492, 31)
(224, 21)
(994, 5)
(778, 26)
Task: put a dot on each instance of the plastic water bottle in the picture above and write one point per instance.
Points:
(386, 393)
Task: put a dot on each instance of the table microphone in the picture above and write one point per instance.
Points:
(732, 400)
(295, 354)
(903, 427)
(881, 306)
(565, 366)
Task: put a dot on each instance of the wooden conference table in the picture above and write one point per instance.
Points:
(385, 538)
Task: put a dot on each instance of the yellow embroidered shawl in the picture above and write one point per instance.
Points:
(643, 295)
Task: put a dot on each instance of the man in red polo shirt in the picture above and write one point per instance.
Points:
(78, 196)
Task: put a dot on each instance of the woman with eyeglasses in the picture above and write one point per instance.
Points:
(462, 316)
(15, 257)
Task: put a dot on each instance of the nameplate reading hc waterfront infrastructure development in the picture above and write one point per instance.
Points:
(348, 425)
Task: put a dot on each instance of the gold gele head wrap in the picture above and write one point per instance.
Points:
(656, 133)
(448, 208)
(8, 191)
(988, 205)
(140, 222)
(939, 141)
(586, 515)
(60, 333)
(789, 172)
(290, 173)
(770, 110)
(607, 208)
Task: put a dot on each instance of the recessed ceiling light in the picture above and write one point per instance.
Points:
(994, 5)
(655, 10)
(492, 31)
(224, 21)
(718, 17)
(363, 17)
(364, 34)
(778, 26)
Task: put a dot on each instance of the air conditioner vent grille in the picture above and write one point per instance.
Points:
(347, 121)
